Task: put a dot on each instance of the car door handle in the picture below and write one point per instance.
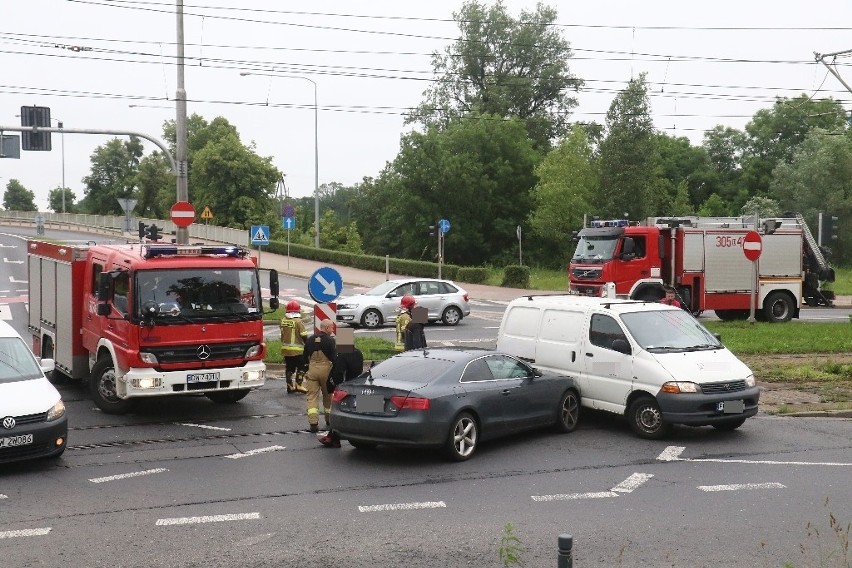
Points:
(506, 392)
(590, 354)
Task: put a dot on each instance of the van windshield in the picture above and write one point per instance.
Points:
(16, 361)
(669, 330)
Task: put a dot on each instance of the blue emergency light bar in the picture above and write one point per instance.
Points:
(597, 224)
(152, 251)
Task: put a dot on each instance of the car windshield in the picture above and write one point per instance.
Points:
(382, 288)
(212, 294)
(411, 369)
(16, 361)
(669, 330)
(595, 249)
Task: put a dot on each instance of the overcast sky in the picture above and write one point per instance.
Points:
(109, 64)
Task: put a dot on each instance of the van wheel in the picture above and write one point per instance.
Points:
(729, 425)
(227, 397)
(568, 412)
(646, 419)
(103, 385)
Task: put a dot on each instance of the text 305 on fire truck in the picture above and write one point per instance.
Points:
(139, 320)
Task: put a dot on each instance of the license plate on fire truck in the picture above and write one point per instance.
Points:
(202, 377)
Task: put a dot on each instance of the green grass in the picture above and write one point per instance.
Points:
(373, 349)
(759, 338)
(842, 285)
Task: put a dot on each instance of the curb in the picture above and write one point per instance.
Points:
(817, 414)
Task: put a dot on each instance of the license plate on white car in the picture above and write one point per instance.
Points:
(13, 441)
(202, 377)
(731, 407)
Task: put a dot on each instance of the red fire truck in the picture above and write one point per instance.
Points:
(702, 258)
(140, 320)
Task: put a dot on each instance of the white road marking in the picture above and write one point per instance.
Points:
(672, 453)
(7, 261)
(5, 312)
(402, 506)
(25, 532)
(3, 496)
(632, 482)
(128, 475)
(207, 519)
(203, 426)
(255, 452)
(740, 486)
(14, 280)
(626, 486)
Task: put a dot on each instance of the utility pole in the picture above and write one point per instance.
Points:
(181, 233)
(820, 57)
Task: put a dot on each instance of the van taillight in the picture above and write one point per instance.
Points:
(410, 402)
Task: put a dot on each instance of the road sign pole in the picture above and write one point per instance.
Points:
(753, 302)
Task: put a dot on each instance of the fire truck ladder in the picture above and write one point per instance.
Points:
(823, 271)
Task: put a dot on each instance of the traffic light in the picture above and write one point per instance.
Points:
(432, 232)
(154, 233)
(35, 116)
(829, 228)
(142, 230)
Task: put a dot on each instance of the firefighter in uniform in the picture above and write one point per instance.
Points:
(293, 334)
(402, 321)
(320, 352)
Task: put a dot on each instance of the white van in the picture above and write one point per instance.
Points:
(32, 415)
(653, 363)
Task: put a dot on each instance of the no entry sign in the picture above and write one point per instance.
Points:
(183, 213)
(752, 245)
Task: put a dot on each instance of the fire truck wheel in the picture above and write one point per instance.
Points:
(227, 397)
(778, 307)
(731, 315)
(102, 386)
(646, 419)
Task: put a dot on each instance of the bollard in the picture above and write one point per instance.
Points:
(565, 559)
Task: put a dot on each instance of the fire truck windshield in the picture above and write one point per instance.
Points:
(595, 249)
(197, 295)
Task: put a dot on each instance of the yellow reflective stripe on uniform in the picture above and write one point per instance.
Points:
(314, 410)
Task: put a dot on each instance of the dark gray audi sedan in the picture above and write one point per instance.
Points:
(451, 398)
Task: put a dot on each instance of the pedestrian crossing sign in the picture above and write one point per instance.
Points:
(259, 234)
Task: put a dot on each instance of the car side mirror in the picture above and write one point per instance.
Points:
(621, 346)
(537, 373)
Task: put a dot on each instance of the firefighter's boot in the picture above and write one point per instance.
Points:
(291, 386)
(300, 387)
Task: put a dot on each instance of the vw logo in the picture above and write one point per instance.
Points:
(8, 423)
(203, 352)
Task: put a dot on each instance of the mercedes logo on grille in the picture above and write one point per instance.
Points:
(8, 423)
(203, 352)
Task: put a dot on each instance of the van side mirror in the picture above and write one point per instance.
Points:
(621, 346)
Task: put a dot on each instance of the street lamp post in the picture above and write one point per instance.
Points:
(316, 145)
(62, 136)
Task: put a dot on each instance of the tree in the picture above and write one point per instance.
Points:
(567, 180)
(476, 173)
(629, 156)
(503, 66)
(715, 206)
(113, 176)
(724, 147)
(819, 179)
(55, 202)
(156, 186)
(764, 206)
(774, 133)
(18, 198)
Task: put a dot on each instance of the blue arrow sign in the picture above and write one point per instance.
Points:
(259, 234)
(288, 222)
(444, 225)
(325, 285)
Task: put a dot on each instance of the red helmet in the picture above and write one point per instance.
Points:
(407, 302)
(293, 307)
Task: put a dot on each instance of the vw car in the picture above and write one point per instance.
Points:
(452, 399)
(32, 415)
(445, 300)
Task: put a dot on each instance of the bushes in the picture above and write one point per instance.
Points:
(516, 277)
(472, 275)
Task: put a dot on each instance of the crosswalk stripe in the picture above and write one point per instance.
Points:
(5, 312)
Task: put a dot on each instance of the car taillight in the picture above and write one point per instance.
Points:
(338, 395)
(410, 402)
(466, 297)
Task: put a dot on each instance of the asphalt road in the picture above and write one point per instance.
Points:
(187, 482)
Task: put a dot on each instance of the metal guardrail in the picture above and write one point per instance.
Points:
(115, 225)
